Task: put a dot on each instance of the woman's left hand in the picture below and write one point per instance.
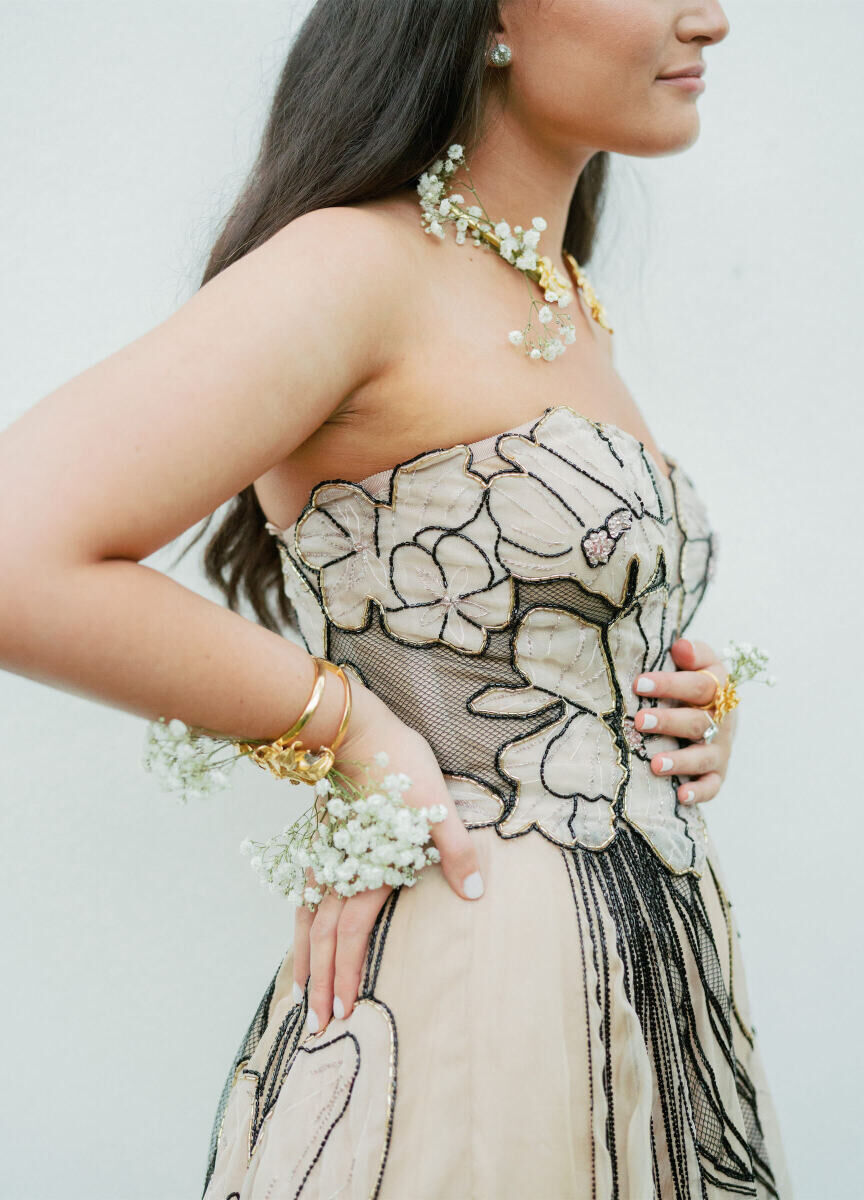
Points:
(704, 764)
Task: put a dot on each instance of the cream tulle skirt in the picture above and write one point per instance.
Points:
(581, 1031)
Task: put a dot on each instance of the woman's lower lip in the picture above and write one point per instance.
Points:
(690, 83)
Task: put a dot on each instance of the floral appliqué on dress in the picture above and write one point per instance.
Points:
(463, 561)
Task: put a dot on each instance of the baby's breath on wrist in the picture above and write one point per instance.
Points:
(185, 759)
(353, 838)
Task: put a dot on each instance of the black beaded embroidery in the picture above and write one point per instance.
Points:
(286, 1044)
(437, 675)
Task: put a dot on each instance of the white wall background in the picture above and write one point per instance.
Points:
(136, 941)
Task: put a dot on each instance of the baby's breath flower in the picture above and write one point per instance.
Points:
(360, 837)
(746, 661)
(183, 759)
(367, 836)
(515, 245)
(337, 806)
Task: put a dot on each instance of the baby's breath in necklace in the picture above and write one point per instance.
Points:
(517, 246)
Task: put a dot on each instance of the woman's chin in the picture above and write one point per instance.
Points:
(668, 137)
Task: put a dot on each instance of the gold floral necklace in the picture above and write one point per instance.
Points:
(516, 246)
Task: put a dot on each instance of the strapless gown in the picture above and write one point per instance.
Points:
(582, 1030)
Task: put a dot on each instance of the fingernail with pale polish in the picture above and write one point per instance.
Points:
(472, 885)
(689, 797)
(644, 685)
(338, 1008)
(297, 992)
(312, 1021)
(665, 764)
(649, 721)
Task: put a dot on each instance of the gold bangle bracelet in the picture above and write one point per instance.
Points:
(346, 710)
(318, 685)
(311, 704)
(287, 757)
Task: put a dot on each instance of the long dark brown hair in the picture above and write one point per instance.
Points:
(371, 94)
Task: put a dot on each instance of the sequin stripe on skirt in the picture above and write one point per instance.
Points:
(704, 1117)
(249, 1042)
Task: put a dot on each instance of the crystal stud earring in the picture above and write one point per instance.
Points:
(500, 55)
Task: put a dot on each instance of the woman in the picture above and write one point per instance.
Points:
(497, 552)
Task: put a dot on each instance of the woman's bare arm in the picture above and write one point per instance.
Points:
(135, 450)
(131, 453)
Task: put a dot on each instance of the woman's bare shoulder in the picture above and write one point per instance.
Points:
(206, 402)
(372, 236)
(369, 249)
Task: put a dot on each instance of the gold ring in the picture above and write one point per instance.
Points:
(713, 699)
(725, 697)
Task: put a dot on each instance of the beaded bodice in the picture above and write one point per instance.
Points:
(501, 597)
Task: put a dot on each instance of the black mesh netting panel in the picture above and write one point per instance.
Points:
(429, 686)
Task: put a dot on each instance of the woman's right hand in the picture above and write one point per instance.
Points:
(330, 945)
